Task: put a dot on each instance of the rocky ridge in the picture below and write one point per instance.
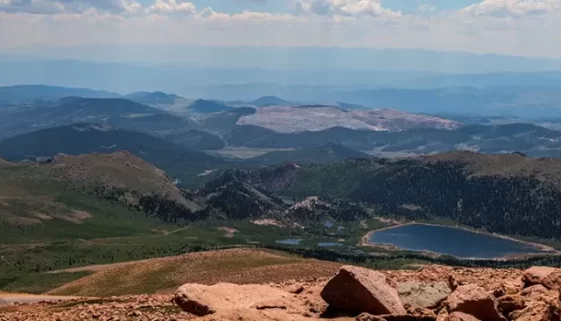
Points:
(434, 293)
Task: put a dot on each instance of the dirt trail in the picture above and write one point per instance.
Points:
(10, 298)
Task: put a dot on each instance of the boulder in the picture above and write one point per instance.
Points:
(460, 316)
(544, 275)
(553, 280)
(475, 301)
(203, 300)
(538, 311)
(357, 290)
(508, 287)
(534, 292)
(423, 295)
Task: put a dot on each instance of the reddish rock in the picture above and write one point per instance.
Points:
(474, 300)
(508, 287)
(203, 300)
(538, 311)
(544, 275)
(534, 292)
(509, 303)
(357, 290)
(423, 295)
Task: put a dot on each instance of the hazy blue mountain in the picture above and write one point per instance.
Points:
(118, 112)
(26, 93)
(296, 58)
(270, 101)
(527, 138)
(208, 106)
(154, 98)
(529, 101)
(401, 71)
(196, 139)
(78, 139)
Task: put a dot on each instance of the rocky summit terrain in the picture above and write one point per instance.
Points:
(434, 293)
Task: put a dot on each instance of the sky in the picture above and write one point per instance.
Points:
(506, 27)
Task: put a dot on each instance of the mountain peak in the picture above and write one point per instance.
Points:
(270, 101)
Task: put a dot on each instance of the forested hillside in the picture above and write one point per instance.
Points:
(510, 194)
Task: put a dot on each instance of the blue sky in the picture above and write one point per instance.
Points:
(503, 27)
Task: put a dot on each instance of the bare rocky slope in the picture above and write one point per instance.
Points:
(289, 119)
(431, 293)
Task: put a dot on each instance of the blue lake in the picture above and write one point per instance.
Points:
(449, 240)
(289, 241)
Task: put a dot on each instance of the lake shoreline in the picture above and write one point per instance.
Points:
(544, 249)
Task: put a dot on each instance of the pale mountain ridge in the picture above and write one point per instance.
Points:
(292, 119)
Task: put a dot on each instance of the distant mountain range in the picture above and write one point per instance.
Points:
(118, 112)
(27, 93)
(527, 138)
(206, 125)
(177, 160)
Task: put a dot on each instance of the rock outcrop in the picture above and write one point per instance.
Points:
(203, 300)
(423, 295)
(357, 290)
(547, 276)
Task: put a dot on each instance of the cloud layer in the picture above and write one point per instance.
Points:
(517, 27)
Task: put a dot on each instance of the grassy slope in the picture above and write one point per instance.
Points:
(34, 208)
(165, 275)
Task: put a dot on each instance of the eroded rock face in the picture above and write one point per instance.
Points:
(203, 300)
(423, 295)
(475, 301)
(357, 290)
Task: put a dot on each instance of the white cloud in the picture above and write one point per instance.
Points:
(170, 6)
(68, 6)
(513, 8)
(351, 8)
(480, 28)
(32, 6)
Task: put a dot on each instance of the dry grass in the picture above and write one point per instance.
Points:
(509, 165)
(164, 275)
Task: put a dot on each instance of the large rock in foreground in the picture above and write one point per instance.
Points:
(544, 275)
(203, 300)
(357, 290)
(474, 300)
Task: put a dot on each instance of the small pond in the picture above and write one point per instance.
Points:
(289, 241)
(453, 241)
